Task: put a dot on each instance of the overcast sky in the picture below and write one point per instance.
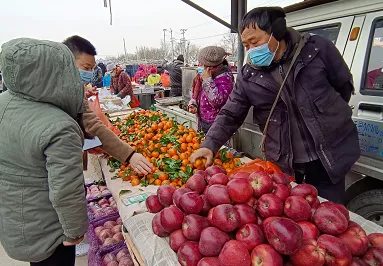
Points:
(140, 22)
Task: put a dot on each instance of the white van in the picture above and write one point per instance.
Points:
(356, 28)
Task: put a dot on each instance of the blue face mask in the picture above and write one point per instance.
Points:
(200, 70)
(86, 76)
(262, 56)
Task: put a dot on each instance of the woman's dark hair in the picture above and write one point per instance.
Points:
(225, 62)
(79, 45)
(269, 19)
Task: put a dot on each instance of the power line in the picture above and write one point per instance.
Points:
(206, 37)
(205, 23)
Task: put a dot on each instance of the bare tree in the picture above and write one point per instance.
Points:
(189, 51)
(230, 43)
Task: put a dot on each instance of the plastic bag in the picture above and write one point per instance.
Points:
(95, 107)
(257, 165)
(135, 102)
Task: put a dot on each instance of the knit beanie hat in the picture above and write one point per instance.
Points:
(212, 56)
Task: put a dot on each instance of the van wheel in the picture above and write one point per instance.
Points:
(369, 205)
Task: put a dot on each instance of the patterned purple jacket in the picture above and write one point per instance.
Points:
(213, 96)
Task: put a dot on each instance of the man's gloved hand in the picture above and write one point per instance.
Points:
(203, 153)
(139, 164)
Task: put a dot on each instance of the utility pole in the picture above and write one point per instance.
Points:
(172, 40)
(183, 41)
(165, 50)
(125, 49)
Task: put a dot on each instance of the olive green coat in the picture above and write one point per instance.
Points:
(41, 180)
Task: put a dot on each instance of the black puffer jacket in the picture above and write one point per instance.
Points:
(175, 73)
(322, 86)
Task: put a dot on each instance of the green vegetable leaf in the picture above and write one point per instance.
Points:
(124, 191)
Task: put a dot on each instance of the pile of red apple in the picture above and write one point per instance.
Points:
(102, 207)
(122, 258)
(96, 191)
(258, 219)
(110, 232)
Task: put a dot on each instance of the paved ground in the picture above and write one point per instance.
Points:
(6, 261)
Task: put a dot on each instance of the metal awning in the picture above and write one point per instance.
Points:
(306, 4)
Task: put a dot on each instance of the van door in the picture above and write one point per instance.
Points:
(367, 70)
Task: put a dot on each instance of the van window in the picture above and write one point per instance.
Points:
(374, 73)
(330, 32)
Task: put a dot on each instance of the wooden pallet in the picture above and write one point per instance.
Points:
(136, 257)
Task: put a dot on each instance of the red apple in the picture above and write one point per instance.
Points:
(240, 175)
(281, 191)
(201, 172)
(176, 239)
(157, 226)
(252, 202)
(265, 255)
(306, 191)
(358, 262)
(177, 195)
(376, 240)
(240, 190)
(171, 218)
(309, 254)
(209, 261)
(330, 220)
(191, 203)
(374, 256)
(165, 194)
(261, 183)
(225, 217)
(352, 223)
(337, 252)
(251, 235)
(316, 204)
(310, 231)
(212, 170)
(206, 205)
(340, 207)
(267, 221)
(219, 179)
(210, 215)
(153, 204)
(234, 253)
(211, 241)
(217, 194)
(297, 209)
(246, 214)
(193, 225)
(188, 254)
(281, 178)
(284, 235)
(205, 190)
(196, 183)
(269, 205)
(356, 240)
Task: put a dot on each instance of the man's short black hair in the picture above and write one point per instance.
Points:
(264, 17)
(79, 45)
(181, 58)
